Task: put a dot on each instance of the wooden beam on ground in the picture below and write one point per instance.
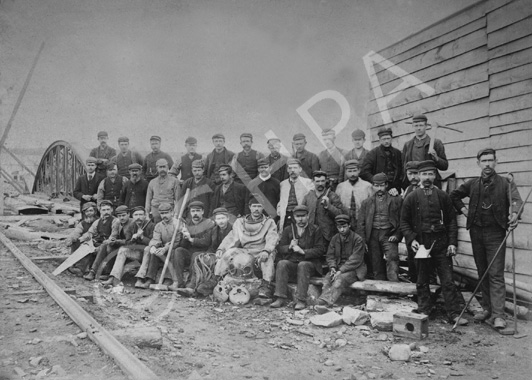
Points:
(399, 288)
(38, 291)
(129, 364)
(47, 258)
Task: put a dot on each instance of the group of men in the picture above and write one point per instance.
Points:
(345, 211)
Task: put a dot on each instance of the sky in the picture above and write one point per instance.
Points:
(193, 68)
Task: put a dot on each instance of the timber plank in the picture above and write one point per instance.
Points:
(509, 105)
(520, 116)
(511, 90)
(516, 74)
(464, 149)
(523, 280)
(508, 14)
(523, 259)
(522, 238)
(510, 33)
(514, 139)
(511, 47)
(507, 62)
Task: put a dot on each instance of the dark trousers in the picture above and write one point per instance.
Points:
(101, 253)
(289, 271)
(485, 241)
(184, 259)
(444, 267)
(156, 262)
(332, 290)
(412, 270)
(384, 255)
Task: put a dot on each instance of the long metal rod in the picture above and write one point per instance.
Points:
(11, 181)
(19, 161)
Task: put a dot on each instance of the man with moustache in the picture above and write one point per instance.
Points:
(89, 215)
(229, 194)
(276, 160)
(357, 153)
(135, 190)
(86, 188)
(201, 188)
(412, 176)
(162, 189)
(309, 161)
(244, 163)
(300, 251)
(379, 227)
(111, 187)
(332, 158)
(185, 165)
(126, 157)
(218, 157)
(489, 216)
(103, 153)
(428, 218)
(150, 162)
(268, 186)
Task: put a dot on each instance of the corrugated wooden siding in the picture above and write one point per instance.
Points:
(479, 62)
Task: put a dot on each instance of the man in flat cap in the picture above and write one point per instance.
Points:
(244, 163)
(150, 162)
(276, 160)
(268, 186)
(255, 234)
(357, 153)
(428, 222)
(201, 188)
(293, 190)
(345, 258)
(384, 159)
(494, 203)
(183, 165)
(353, 191)
(300, 252)
(309, 161)
(162, 189)
(323, 206)
(417, 149)
(135, 190)
(332, 158)
(87, 184)
(103, 153)
(230, 194)
(219, 156)
(379, 227)
(111, 187)
(126, 157)
(89, 214)
(412, 176)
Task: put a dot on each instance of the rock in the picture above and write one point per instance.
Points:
(330, 319)
(36, 341)
(195, 376)
(58, 370)
(424, 349)
(42, 374)
(382, 337)
(35, 361)
(24, 300)
(371, 304)
(340, 342)
(82, 335)
(399, 352)
(296, 322)
(447, 362)
(362, 328)
(19, 371)
(353, 316)
(387, 375)
(382, 321)
(371, 375)
(329, 363)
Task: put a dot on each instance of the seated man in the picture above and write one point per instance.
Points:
(255, 234)
(138, 236)
(89, 216)
(301, 249)
(345, 258)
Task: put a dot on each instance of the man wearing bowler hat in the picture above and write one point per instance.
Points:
(244, 163)
(357, 153)
(220, 155)
(86, 188)
(126, 157)
(184, 165)
(135, 190)
(103, 153)
(150, 162)
(309, 161)
(162, 189)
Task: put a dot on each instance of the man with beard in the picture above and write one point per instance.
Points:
(276, 160)
(87, 184)
(103, 153)
(255, 234)
(293, 190)
(345, 258)
(229, 194)
(201, 188)
(357, 153)
(89, 216)
(162, 189)
(353, 191)
(379, 227)
(126, 157)
(323, 206)
(308, 161)
(384, 159)
(185, 165)
(137, 237)
(428, 219)
(192, 239)
(135, 190)
(412, 175)
(244, 163)
(218, 157)
(111, 187)
(300, 250)
(332, 158)
(489, 216)
(267, 186)
(150, 162)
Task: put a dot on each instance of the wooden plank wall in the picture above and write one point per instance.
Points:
(479, 62)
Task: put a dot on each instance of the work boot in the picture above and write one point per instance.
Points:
(90, 276)
(76, 271)
(322, 309)
(111, 281)
(265, 289)
(499, 323)
(167, 282)
(186, 292)
(145, 285)
(279, 302)
(459, 321)
(139, 283)
(482, 316)
(300, 305)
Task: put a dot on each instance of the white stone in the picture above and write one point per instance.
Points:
(353, 316)
(382, 321)
(399, 352)
(340, 342)
(330, 319)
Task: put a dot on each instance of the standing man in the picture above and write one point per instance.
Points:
(230, 194)
(219, 156)
(323, 206)
(357, 153)
(111, 187)
(309, 161)
(384, 159)
(161, 189)
(126, 157)
(293, 190)
(276, 160)
(428, 219)
(412, 176)
(184, 165)
(103, 153)
(201, 188)
(300, 250)
(332, 158)
(417, 149)
(244, 163)
(489, 216)
(135, 190)
(379, 227)
(268, 186)
(86, 188)
(150, 162)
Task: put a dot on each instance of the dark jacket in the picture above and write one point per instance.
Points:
(322, 217)
(498, 189)
(412, 216)
(235, 199)
(311, 242)
(216, 236)
(134, 194)
(84, 187)
(200, 191)
(278, 168)
(441, 163)
(349, 259)
(147, 233)
(309, 162)
(199, 232)
(210, 165)
(375, 162)
(367, 213)
(270, 190)
(351, 155)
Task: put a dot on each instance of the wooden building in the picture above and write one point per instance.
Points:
(475, 73)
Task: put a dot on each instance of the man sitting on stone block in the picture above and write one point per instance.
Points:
(89, 212)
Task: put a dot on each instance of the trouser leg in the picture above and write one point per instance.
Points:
(391, 255)
(192, 275)
(305, 269)
(332, 290)
(481, 261)
(284, 271)
(144, 263)
(376, 255)
(181, 261)
(124, 254)
(412, 271)
(101, 252)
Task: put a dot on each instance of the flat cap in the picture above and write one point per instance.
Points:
(263, 162)
(123, 139)
(137, 208)
(419, 117)
(103, 134)
(341, 219)
(196, 204)
(256, 199)
(273, 139)
(300, 209)
(385, 131)
(198, 164)
(328, 133)
(156, 138)
(121, 210)
(218, 136)
(298, 136)
(412, 166)
(220, 210)
(354, 164)
(225, 167)
(111, 165)
(246, 134)
(165, 207)
(319, 173)
(485, 151)
(358, 134)
(379, 178)
(106, 202)
(191, 140)
(91, 160)
(426, 165)
(161, 162)
(88, 205)
(135, 166)
(292, 161)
